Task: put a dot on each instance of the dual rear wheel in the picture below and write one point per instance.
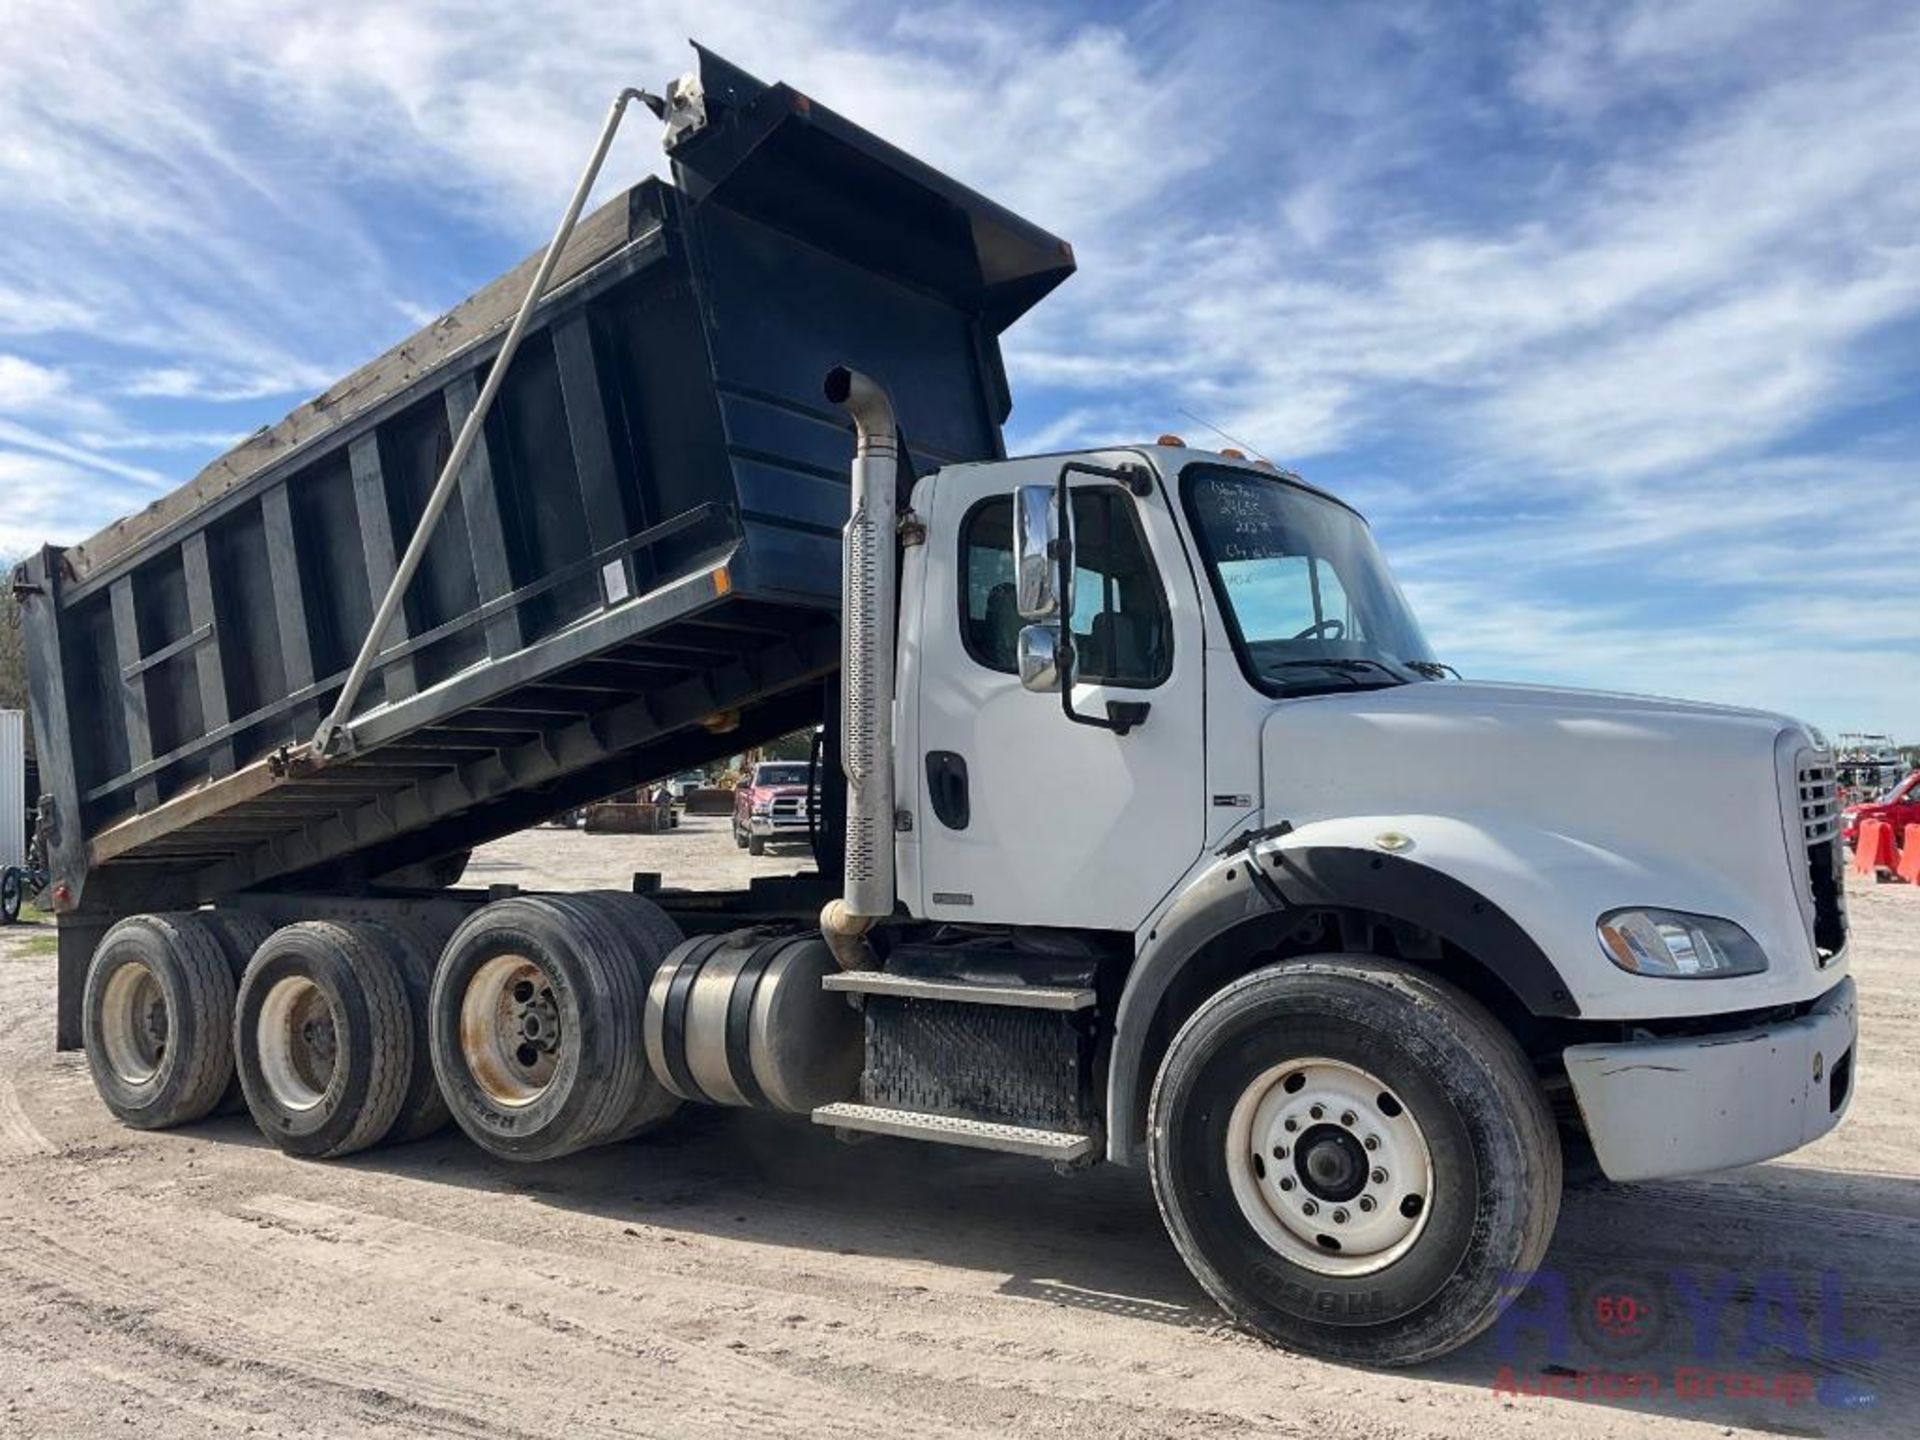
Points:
(336, 1035)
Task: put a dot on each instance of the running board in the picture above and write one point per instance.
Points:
(1063, 1147)
(964, 992)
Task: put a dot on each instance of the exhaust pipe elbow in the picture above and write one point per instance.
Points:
(846, 936)
(872, 411)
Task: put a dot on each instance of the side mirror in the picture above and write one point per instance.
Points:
(1036, 575)
(1039, 659)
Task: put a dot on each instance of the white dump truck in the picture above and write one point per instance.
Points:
(1165, 839)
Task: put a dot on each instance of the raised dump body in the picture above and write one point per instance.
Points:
(639, 571)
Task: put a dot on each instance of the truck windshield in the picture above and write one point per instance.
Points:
(780, 775)
(1306, 592)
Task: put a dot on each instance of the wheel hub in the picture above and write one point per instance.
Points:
(134, 1024)
(297, 1042)
(1331, 1163)
(1328, 1166)
(511, 1031)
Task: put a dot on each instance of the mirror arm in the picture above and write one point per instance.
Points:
(1137, 478)
(1122, 715)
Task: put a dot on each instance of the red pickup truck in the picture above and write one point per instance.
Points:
(773, 804)
(1900, 807)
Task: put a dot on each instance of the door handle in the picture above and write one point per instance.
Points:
(947, 788)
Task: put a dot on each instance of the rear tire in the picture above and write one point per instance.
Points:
(739, 835)
(239, 933)
(156, 1020)
(655, 935)
(535, 1025)
(1383, 1225)
(413, 947)
(323, 1038)
(13, 893)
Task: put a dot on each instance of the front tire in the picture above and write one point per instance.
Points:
(13, 893)
(1354, 1159)
(756, 845)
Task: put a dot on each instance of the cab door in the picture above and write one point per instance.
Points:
(1024, 817)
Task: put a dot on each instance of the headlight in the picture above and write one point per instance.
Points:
(1679, 946)
(762, 807)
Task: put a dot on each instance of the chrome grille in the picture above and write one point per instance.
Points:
(1819, 803)
(1817, 792)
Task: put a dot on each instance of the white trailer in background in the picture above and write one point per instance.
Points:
(13, 788)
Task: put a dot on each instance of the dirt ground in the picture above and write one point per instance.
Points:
(745, 1276)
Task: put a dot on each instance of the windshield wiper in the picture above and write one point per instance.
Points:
(1433, 669)
(1350, 666)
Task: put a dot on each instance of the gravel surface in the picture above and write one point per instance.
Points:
(740, 1275)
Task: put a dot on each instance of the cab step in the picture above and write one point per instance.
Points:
(1062, 1147)
(963, 992)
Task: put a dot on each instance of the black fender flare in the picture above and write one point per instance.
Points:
(1259, 885)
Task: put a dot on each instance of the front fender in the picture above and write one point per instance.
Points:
(1253, 891)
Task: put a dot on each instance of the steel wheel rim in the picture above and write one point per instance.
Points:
(134, 1024)
(1330, 1169)
(510, 1030)
(299, 1043)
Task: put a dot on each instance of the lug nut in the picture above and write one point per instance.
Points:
(1292, 1124)
(1379, 1176)
(1347, 1118)
(1286, 1182)
(1372, 1142)
(1366, 1204)
(1317, 1111)
(1307, 1207)
(1339, 1217)
(1279, 1152)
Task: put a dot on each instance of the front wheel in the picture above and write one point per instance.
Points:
(13, 893)
(1354, 1159)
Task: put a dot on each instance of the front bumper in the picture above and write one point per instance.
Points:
(777, 825)
(1708, 1102)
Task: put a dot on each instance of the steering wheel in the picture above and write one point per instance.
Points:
(1324, 630)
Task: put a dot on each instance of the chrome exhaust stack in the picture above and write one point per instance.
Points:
(868, 586)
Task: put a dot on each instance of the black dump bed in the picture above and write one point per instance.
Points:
(639, 571)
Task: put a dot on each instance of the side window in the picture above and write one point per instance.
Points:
(1121, 632)
(989, 610)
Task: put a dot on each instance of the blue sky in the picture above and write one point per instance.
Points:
(1608, 316)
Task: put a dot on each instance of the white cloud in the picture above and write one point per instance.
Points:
(217, 386)
(39, 492)
(1593, 325)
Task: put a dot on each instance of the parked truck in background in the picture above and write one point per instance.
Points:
(774, 803)
(1898, 808)
(1164, 840)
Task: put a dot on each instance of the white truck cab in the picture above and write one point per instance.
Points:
(1338, 874)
